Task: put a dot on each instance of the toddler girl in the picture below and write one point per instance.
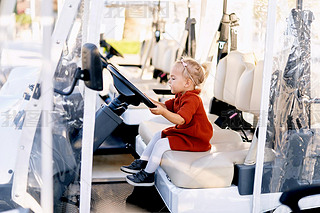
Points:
(192, 130)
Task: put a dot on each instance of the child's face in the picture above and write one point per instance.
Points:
(177, 81)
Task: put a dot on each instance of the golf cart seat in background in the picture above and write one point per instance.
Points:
(164, 55)
(198, 169)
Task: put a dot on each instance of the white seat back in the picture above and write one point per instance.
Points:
(234, 67)
(244, 89)
(169, 57)
(256, 89)
(220, 79)
(238, 82)
(158, 52)
(164, 55)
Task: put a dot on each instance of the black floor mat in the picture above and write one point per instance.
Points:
(147, 198)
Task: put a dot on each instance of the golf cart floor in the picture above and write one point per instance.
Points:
(122, 197)
(111, 193)
(106, 168)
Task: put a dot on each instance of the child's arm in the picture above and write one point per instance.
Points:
(171, 116)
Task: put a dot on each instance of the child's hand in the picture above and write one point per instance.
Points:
(158, 110)
(153, 101)
(156, 103)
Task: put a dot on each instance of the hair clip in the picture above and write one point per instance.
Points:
(183, 63)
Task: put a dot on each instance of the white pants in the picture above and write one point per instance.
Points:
(154, 151)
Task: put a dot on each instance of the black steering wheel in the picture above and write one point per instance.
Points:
(128, 92)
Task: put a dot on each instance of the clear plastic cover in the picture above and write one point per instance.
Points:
(292, 118)
(67, 122)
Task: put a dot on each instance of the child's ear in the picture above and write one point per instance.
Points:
(188, 82)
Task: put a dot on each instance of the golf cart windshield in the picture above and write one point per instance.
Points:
(66, 119)
(293, 119)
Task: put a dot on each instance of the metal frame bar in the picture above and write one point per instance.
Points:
(91, 34)
(299, 4)
(225, 5)
(47, 107)
(267, 72)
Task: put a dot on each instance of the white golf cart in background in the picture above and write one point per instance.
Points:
(50, 129)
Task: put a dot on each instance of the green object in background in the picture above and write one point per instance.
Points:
(125, 46)
(23, 19)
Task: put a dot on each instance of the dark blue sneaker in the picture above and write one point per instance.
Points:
(141, 178)
(134, 167)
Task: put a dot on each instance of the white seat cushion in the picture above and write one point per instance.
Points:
(198, 169)
(211, 169)
(148, 128)
(201, 169)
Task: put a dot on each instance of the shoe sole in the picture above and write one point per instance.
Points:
(129, 171)
(138, 184)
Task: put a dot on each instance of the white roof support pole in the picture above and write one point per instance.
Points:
(47, 102)
(267, 72)
(91, 34)
(62, 28)
(60, 5)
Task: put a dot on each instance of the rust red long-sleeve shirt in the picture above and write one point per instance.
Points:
(195, 134)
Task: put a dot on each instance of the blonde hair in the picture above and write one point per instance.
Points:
(193, 70)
